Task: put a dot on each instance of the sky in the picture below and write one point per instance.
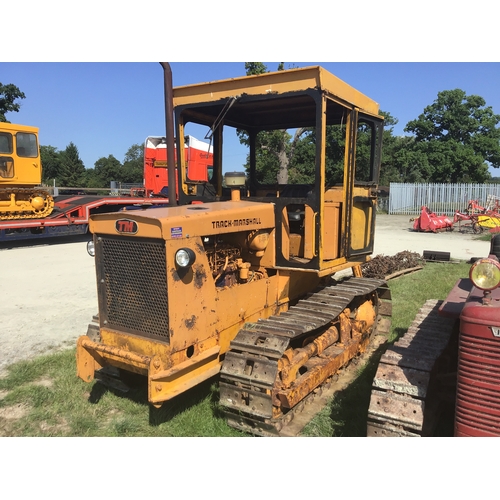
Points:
(104, 108)
(81, 85)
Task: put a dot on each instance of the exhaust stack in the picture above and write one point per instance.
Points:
(169, 125)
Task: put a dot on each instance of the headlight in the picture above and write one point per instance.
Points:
(485, 274)
(184, 257)
(91, 248)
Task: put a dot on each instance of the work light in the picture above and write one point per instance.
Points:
(485, 274)
(184, 257)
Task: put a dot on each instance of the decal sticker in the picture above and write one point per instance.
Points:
(126, 226)
(176, 232)
(235, 222)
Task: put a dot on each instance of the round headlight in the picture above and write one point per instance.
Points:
(184, 257)
(485, 274)
(91, 248)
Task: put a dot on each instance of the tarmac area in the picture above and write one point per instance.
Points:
(48, 294)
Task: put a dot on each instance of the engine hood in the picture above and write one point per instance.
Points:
(186, 221)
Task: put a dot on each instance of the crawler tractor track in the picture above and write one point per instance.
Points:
(403, 399)
(279, 365)
(25, 203)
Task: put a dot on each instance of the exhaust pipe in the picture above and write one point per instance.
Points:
(169, 125)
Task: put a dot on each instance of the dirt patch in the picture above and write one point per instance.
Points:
(44, 382)
(61, 427)
(9, 416)
(14, 412)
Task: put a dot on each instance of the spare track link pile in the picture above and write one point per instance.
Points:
(250, 369)
(403, 401)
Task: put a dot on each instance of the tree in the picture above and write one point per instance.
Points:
(458, 136)
(72, 168)
(275, 148)
(108, 169)
(8, 94)
(90, 179)
(255, 68)
(133, 164)
(399, 162)
(51, 163)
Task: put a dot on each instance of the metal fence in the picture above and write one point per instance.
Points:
(408, 199)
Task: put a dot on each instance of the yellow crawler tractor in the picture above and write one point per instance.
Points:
(21, 174)
(237, 278)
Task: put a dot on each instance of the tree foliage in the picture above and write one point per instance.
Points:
(51, 164)
(275, 148)
(458, 136)
(255, 68)
(133, 165)
(455, 139)
(68, 170)
(8, 95)
(107, 169)
(72, 168)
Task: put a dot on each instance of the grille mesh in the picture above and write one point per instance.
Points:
(478, 398)
(133, 285)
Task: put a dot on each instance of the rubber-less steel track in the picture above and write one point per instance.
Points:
(25, 210)
(403, 399)
(253, 393)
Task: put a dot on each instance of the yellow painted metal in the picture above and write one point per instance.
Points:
(27, 169)
(489, 221)
(362, 216)
(323, 368)
(166, 378)
(278, 82)
(166, 384)
(21, 174)
(195, 220)
(298, 357)
(205, 315)
(324, 355)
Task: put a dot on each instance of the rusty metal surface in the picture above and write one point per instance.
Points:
(383, 266)
(398, 409)
(403, 381)
(276, 366)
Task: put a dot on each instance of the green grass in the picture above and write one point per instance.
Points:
(43, 397)
(47, 399)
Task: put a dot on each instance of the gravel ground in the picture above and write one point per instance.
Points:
(394, 233)
(47, 298)
(48, 293)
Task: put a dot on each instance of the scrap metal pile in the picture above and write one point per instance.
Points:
(386, 267)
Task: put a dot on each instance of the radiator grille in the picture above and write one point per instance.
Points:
(132, 285)
(478, 394)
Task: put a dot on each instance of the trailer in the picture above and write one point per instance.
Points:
(70, 216)
(70, 213)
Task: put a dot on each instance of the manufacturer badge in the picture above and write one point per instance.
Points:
(126, 226)
(496, 331)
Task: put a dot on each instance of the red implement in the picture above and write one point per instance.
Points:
(431, 222)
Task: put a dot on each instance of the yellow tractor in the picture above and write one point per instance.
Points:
(21, 174)
(238, 278)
